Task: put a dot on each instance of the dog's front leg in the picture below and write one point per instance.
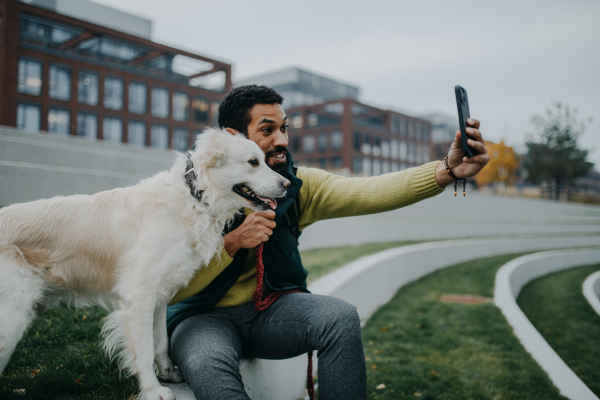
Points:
(141, 340)
(166, 370)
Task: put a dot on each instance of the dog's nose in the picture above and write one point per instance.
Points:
(285, 183)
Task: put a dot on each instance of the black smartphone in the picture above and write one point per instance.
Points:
(462, 103)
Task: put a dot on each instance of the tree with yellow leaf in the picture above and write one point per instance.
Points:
(502, 166)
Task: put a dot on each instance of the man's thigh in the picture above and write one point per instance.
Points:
(295, 324)
(207, 349)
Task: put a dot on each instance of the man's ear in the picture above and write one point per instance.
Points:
(232, 131)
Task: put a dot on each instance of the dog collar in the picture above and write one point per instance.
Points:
(190, 178)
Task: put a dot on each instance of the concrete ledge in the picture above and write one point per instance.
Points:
(510, 279)
(591, 290)
(370, 282)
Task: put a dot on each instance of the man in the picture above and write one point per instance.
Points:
(212, 322)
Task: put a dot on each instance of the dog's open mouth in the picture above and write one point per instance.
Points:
(264, 203)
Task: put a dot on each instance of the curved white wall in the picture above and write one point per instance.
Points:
(591, 290)
(510, 279)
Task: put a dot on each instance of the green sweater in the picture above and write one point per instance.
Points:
(324, 196)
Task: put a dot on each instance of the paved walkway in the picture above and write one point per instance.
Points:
(446, 216)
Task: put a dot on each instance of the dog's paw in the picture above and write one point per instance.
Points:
(171, 374)
(157, 393)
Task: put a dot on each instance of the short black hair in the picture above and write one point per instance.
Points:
(234, 111)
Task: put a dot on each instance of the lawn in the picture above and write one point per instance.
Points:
(557, 308)
(417, 346)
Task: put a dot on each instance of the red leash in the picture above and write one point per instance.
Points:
(262, 304)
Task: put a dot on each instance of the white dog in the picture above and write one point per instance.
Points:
(129, 250)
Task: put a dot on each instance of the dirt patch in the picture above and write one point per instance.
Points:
(465, 299)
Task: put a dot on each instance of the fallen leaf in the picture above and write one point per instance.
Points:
(418, 394)
(84, 318)
(383, 329)
(368, 359)
(433, 373)
(370, 342)
(381, 386)
(78, 381)
(377, 351)
(35, 372)
(373, 366)
(19, 391)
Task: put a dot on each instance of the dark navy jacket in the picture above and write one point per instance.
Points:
(281, 258)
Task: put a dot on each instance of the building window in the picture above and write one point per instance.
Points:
(113, 93)
(215, 112)
(160, 103)
(181, 106)
(28, 117)
(200, 106)
(160, 137)
(45, 31)
(58, 122)
(356, 165)
(181, 139)
(403, 151)
(309, 144)
(112, 48)
(411, 129)
(113, 130)
(136, 133)
(137, 98)
(322, 163)
(376, 167)
(403, 127)
(337, 162)
(385, 167)
(411, 153)
(385, 149)
(30, 77)
(395, 167)
(322, 142)
(87, 88)
(60, 83)
(394, 149)
(295, 145)
(357, 141)
(87, 125)
(337, 140)
(366, 167)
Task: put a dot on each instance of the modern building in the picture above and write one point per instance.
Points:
(74, 67)
(443, 130)
(302, 88)
(347, 136)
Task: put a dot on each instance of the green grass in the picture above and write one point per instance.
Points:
(422, 348)
(557, 308)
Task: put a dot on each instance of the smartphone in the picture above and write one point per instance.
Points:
(462, 103)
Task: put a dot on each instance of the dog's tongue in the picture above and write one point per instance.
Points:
(271, 202)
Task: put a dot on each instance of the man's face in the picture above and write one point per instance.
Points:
(268, 129)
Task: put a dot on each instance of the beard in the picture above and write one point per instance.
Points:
(280, 168)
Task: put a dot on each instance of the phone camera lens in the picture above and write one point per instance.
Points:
(462, 97)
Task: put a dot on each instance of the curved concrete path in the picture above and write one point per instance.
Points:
(510, 279)
(591, 290)
(370, 282)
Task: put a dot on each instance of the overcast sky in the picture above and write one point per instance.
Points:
(514, 57)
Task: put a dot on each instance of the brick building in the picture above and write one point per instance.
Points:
(65, 71)
(353, 138)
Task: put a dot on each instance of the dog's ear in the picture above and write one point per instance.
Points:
(211, 145)
(232, 131)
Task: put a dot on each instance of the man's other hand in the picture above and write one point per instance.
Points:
(256, 229)
(461, 166)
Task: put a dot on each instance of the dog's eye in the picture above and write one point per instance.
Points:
(253, 162)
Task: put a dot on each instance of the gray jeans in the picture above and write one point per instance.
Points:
(207, 348)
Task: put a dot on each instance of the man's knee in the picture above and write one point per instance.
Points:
(339, 315)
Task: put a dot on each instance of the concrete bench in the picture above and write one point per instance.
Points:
(369, 283)
(591, 290)
(510, 279)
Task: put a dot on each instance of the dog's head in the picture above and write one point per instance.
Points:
(233, 172)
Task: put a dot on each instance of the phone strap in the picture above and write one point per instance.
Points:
(455, 178)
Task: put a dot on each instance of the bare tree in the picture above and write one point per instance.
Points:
(556, 157)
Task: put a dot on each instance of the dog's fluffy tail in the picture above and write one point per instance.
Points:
(116, 340)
